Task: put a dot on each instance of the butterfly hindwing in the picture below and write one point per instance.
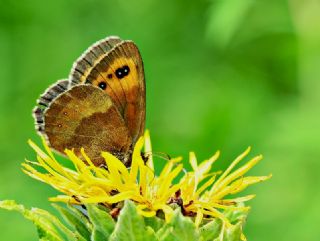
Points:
(84, 116)
(44, 101)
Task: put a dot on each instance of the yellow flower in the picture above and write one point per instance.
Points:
(206, 198)
(199, 192)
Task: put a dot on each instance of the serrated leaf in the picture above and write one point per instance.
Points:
(46, 228)
(210, 230)
(154, 222)
(76, 219)
(130, 226)
(70, 235)
(180, 228)
(214, 230)
(235, 216)
(43, 234)
(103, 223)
(233, 233)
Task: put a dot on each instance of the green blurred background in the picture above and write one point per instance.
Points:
(220, 75)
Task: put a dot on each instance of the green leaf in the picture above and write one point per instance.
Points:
(211, 230)
(180, 228)
(154, 222)
(235, 216)
(233, 233)
(130, 226)
(76, 219)
(103, 223)
(70, 235)
(45, 222)
(214, 230)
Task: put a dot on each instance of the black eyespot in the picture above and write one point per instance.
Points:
(126, 69)
(122, 72)
(119, 73)
(109, 76)
(102, 85)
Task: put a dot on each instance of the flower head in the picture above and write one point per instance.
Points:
(200, 193)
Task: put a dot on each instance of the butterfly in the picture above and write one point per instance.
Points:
(100, 107)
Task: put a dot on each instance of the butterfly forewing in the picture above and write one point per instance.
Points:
(119, 72)
(90, 58)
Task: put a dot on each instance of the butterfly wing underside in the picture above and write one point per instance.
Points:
(116, 67)
(85, 117)
(100, 107)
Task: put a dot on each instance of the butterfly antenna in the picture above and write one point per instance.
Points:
(161, 155)
(184, 170)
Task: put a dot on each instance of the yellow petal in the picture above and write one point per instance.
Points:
(167, 181)
(236, 200)
(47, 167)
(199, 217)
(99, 172)
(65, 199)
(188, 187)
(237, 173)
(205, 166)
(243, 183)
(136, 160)
(78, 163)
(147, 214)
(108, 199)
(115, 165)
(141, 211)
(206, 185)
(193, 161)
(148, 149)
(168, 167)
(51, 162)
(243, 237)
(170, 192)
(229, 169)
(215, 213)
(224, 207)
(168, 212)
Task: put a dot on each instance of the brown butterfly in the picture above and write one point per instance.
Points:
(100, 107)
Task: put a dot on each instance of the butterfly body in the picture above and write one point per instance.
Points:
(100, 107)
